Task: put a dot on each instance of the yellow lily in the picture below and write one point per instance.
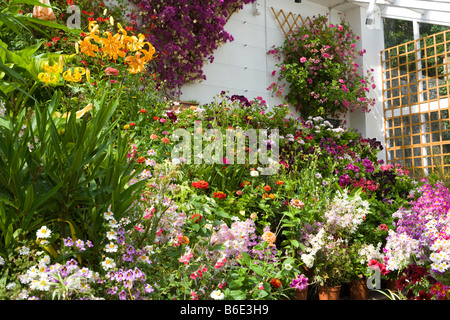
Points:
(75, 76)
(47, 78)
(137, 43)
(87, 47)
(78, 114)
(136, 63)
(148, 54)
(112, 45)
(61, 63)
(53, 69)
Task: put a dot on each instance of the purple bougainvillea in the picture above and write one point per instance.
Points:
(185, 34)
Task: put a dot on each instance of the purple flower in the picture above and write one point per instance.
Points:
(122, 295)
(301, 282)
(344, 180)
(68, 242)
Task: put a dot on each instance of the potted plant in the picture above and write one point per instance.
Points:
(318, 71)
(327, 245)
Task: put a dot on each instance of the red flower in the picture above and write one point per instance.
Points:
(132, 124)
(142, 111)
(155, 118)
(201, 184)
(267, 188)
(276, 283)
(220, 195)
(245, 183)
(141, 159)
(196, 218)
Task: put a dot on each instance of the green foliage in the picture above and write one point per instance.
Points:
(62, 172)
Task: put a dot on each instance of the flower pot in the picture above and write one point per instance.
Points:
(301, 294)
(358, 289)
(329, 293)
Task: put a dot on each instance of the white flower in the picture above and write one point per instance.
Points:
(2, 261)
(254, 173)
(10, 286)
(43, 233)
(288, 266)
(217, 295)
(111, 235)
(176, 161)
(108, 215)
(24, 251)
(111, 247)
(108, 263)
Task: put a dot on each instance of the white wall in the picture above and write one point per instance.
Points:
(371, 125)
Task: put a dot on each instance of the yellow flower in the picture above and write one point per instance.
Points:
(78, 114)
(53, 69)
(88, 75)
(93, 30)
(61, 63)
(137, 43)
(47, 78)
(75, 76)
(148, 54)
(126, 127)
(135, 62)
(112, 45)
(87, 47)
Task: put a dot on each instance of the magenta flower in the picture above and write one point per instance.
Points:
(301, 282)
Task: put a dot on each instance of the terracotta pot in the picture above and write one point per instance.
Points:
(359, 290)
(329, 293)
(301, 294)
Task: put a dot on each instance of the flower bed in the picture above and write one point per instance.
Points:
(109, 193)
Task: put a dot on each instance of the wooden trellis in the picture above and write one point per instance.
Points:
(416, 96)
(289, 22)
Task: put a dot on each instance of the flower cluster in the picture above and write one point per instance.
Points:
(422, 232)
(67, 281)
(116, 46)
(53, 74)
(186, 34)
(319, 66)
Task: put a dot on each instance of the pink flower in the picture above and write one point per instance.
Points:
(162, 120)
(302, 59)
(111, 71)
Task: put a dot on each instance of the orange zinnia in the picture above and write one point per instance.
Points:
(267, 188)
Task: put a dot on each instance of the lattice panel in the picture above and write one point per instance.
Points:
(416, 93)
(289, 22)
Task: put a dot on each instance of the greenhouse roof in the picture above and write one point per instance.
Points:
(429, 11)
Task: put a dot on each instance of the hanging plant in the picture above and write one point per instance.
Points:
(185, 34)
(318, 73)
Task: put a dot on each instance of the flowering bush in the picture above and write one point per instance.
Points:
(317, 63)
(185, 34)
(326, 247)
